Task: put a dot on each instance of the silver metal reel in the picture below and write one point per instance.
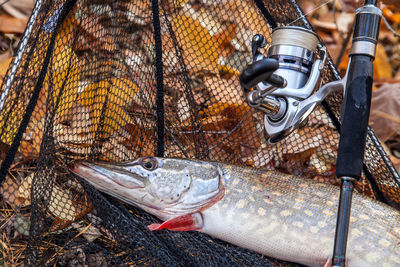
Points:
(288, 107)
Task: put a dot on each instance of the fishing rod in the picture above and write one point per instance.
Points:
(354, 122)
(285, 86)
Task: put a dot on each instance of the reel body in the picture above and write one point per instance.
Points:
(282, 84)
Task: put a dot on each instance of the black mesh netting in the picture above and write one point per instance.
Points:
(115, 80)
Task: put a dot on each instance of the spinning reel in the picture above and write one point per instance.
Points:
(282, 84)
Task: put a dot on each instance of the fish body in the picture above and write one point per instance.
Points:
(275, 214)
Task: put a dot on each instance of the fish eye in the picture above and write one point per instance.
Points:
(149, 164)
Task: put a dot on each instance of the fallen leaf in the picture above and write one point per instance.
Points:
(224, 124)
(60, 203)
(95, 35)
(199, 47)
(11, 24)
(3, 68)
(248, 16)
(140, 140)
(90, 232)
(385, 112)
(63, 75)
(106, 101)
(138, 11)
(20, 9)
(382, 68)
(22, 224)
(9, 192)
(263, 158)
(74, 133)
(390, 15)
(225, 90)
(323, 161)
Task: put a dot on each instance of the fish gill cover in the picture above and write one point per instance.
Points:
(116, 80)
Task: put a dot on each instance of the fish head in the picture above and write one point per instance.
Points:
(164, 187)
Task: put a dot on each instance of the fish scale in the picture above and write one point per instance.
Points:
(275, 214)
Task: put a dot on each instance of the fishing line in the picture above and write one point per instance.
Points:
(311, 11)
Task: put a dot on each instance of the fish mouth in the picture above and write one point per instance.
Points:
(102, 171)
(99, 176)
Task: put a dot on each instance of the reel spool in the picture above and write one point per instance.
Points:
(294, 48)
(281, 85)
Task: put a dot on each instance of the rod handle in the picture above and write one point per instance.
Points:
(356, 107)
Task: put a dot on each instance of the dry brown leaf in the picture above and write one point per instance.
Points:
(249, 17)
(60, 204)
(9, 191)
(32, 138)
(183, 108)
(11, 24)
(228, 72)
(306, 138)
(138, 139)
(58, 75)
(385, 111)
(139, 11)
(199, 48)
(63, 70)
(130, 142)
(392, 17)
(231, 89)
(66, 75)
(344, 21)
(263, 158)
(323, 161)
(18, 8)
(382, 68)
(226, 123)
(94, 35)
(4, 67)
(309, 151)
(90, 232)
(74, 134)
(106, 101)
(204, 17)
(113, 150)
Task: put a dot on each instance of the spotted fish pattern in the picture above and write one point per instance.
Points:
(278, 215)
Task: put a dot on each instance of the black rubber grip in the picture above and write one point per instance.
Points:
(356, 106)
(258, 71)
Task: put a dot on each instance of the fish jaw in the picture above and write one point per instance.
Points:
(159, 191)
(95, 176)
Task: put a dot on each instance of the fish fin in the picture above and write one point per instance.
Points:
(186, 222)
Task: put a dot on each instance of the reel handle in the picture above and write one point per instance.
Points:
(261, 71)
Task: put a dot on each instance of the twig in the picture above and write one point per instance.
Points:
(390, 27)
(344, 46)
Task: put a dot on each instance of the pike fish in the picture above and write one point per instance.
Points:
(275, 214)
